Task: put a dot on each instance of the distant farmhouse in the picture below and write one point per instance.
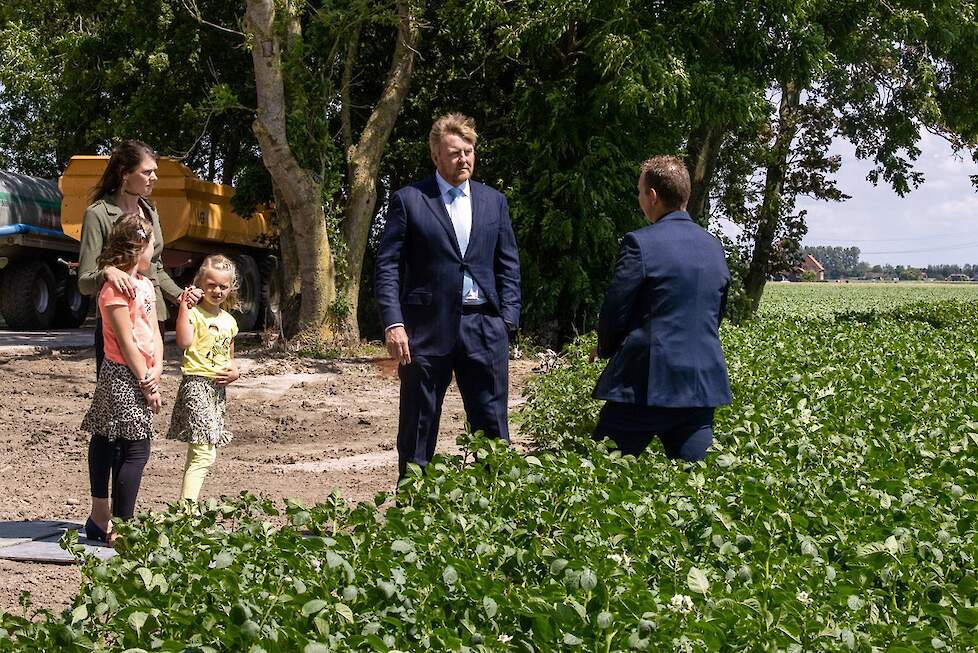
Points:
(811, 264)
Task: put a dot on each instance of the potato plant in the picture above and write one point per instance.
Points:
(838, 511)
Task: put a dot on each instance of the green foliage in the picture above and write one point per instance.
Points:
(837, 511)
(78, 77)
(559, 407)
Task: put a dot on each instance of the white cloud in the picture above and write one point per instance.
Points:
(935, 223)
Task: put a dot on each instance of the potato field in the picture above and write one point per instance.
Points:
(837, 511)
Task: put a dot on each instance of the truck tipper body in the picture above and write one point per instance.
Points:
(41, 222)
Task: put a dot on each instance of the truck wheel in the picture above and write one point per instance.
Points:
(28, 296)
(249, 292)
(72, 307)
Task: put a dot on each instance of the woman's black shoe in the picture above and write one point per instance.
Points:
(93, 532)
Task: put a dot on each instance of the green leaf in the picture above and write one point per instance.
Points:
(572, 640)
(588, 579)
(344, 611)
(449, 575)
(80, 613)
(313, 606)
(697, 581)
(489, 606)
(402, 546)
(968, 616)
(146, 576)
(137, 620)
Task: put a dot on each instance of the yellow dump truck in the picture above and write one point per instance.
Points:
(38, 241)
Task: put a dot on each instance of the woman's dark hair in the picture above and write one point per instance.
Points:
(129, 235)
(126, 157)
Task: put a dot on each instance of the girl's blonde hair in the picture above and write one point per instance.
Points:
(129, 235)
(221, 263)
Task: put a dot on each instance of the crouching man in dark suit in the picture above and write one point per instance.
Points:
(659, 325)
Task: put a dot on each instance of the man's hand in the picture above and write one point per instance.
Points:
(397, 344)
(120, 281)
(229, 374)
(190, 296)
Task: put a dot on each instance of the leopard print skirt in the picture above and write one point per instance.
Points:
(198, 414)
(118, 410)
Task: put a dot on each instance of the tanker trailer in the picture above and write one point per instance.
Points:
(197, 219)
(38, 289)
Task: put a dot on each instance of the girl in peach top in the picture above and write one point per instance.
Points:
(127, 394)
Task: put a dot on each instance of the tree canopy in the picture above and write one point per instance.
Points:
(569, 98)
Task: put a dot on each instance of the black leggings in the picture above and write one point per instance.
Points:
(124, 461)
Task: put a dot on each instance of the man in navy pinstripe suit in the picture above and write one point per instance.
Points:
(447, 281)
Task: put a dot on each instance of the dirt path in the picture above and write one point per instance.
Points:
(302, 428)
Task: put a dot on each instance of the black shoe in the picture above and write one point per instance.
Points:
(93, 532)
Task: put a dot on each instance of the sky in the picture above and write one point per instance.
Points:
(935, 223)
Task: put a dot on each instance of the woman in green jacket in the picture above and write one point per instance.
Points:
(125, 187)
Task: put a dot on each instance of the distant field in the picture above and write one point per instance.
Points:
(830, 298)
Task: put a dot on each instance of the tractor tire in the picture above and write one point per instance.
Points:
(72, 306)
(28, 296)
(249, 292)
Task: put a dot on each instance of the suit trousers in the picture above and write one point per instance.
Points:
(686, 433)
(480, 363)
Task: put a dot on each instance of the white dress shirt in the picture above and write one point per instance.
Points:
(459, 210)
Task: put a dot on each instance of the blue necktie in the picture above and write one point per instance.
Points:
(461, 230)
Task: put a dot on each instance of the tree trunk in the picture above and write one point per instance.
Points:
(364, 157)
(771, 206)
(291, 277)
(702, 152)
(294, 186)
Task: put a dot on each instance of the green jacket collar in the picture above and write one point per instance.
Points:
(113, 210)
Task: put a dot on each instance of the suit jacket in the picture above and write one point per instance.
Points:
(661, 316)
(418, 274)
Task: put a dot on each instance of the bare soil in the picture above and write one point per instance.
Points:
(302, 427)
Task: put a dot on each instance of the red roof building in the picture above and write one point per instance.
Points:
(811, 264)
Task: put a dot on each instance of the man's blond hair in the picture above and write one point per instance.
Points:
(453, 123)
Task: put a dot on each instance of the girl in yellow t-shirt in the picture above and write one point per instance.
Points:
(206, 333)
